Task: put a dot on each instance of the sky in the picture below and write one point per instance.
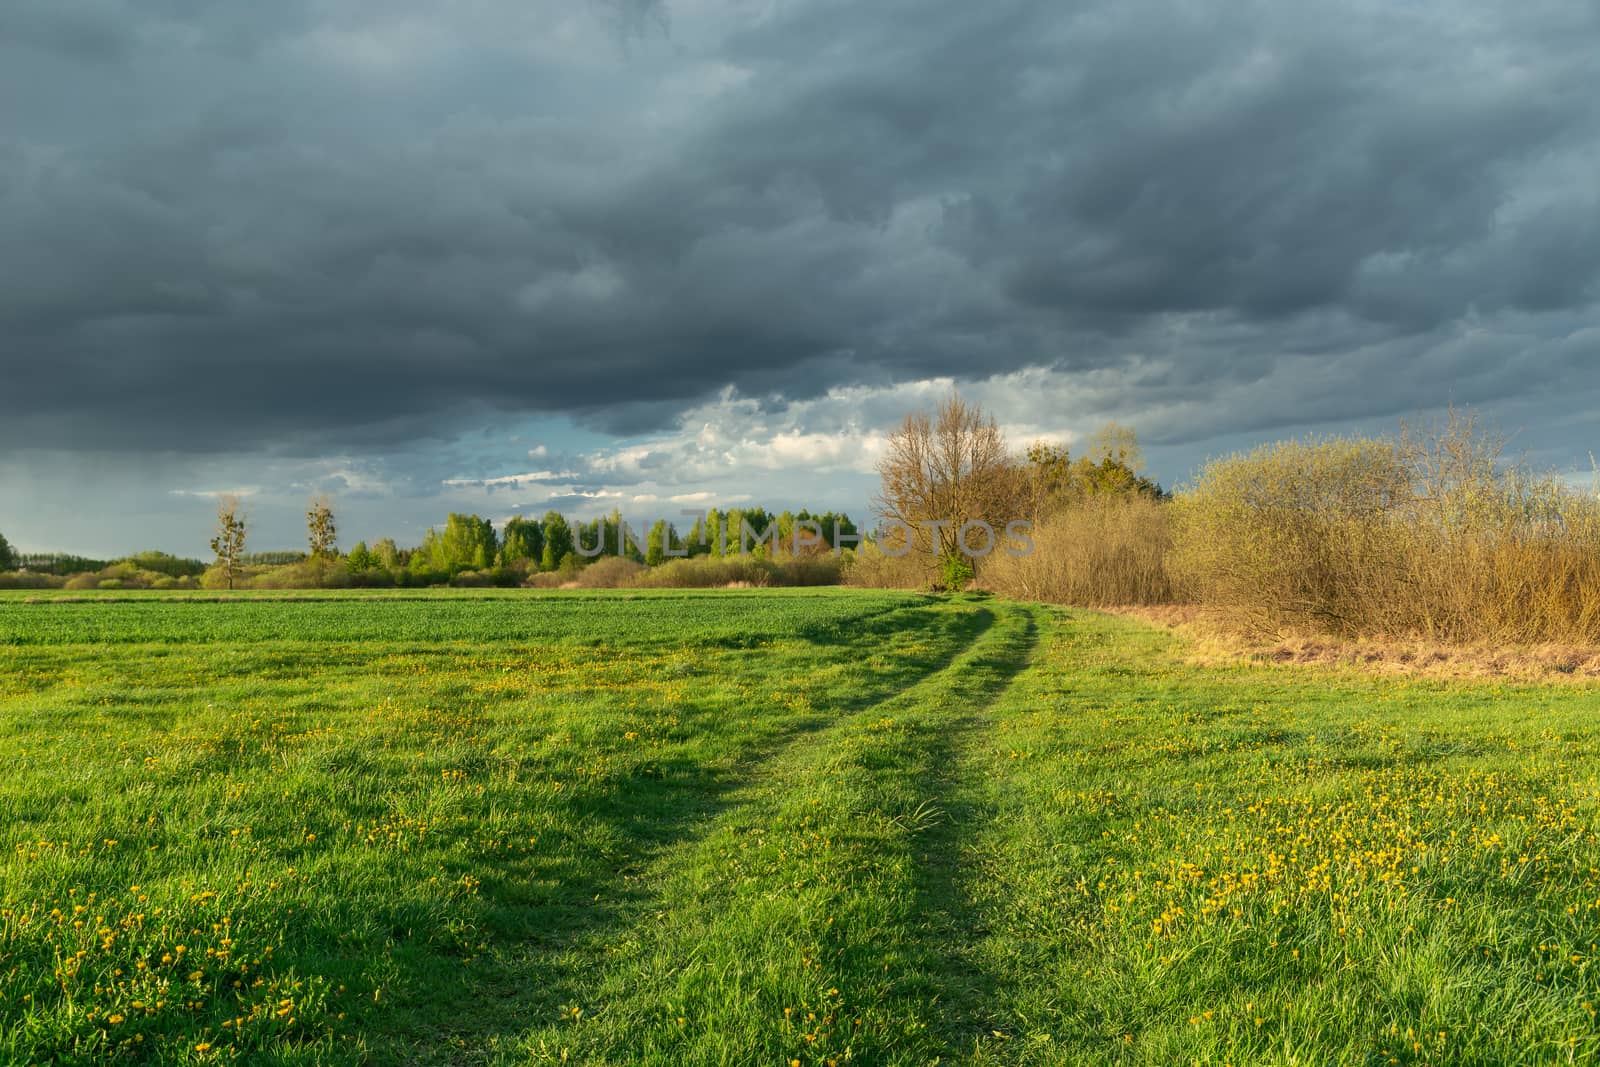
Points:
(507, 255)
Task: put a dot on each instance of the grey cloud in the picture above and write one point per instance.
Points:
(238, 227)
(587, 503)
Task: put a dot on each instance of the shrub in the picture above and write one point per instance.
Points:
(1429, 535)
(708, 572)
(215, 578)
(30, 580)
(120, 571)
(373, 578)
(955, 571)
(612, 572)
(485, 577)
(1277, 537)
(813, 569)
(307, 574)
(872, 568)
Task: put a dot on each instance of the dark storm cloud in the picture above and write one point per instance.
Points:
(347, 225)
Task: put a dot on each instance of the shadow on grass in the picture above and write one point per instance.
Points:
(538, 936)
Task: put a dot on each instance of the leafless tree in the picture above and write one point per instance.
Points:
(944, 470)
(228, 544)
(320, 531)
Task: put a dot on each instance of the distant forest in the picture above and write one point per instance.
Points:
(468, 550)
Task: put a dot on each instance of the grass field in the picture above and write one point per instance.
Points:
(769, 828)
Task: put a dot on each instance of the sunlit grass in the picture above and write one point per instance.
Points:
(770, 827)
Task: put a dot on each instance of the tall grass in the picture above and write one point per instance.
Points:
(701, 572)
(872, 568)
(705, 572)
(1099, 552)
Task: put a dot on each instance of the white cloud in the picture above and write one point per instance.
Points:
(511, 481)
(217, 494)
(846, 430)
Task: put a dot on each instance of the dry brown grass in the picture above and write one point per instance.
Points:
(702, 572)
(743, 572)
(873, 568)
(1100, 551)
(1210, 642)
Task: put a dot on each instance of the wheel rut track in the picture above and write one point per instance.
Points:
(944, 713)
(972, 665)
(963, 990)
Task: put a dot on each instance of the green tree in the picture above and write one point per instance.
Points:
(387, 553)
(557, 541)
(717, 532)
(521, 540)
(786, 530)
(834, 528)
(697, 535)
(763, 524)
(59, 563)
(656, 544)
(421, 566)
(613, 527)
(361, 558)
(431, 550)
(468, 541)
(1052, 479)
(588, 539)
(8, 558)
(1047, 478)
(628, 538)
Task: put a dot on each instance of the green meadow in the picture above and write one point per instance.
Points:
(769, 827)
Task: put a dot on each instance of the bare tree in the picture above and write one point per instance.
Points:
(229, 542)
(320, 531)
(947, 469)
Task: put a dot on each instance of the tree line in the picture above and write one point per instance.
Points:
(467, 549)
(553, 543)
